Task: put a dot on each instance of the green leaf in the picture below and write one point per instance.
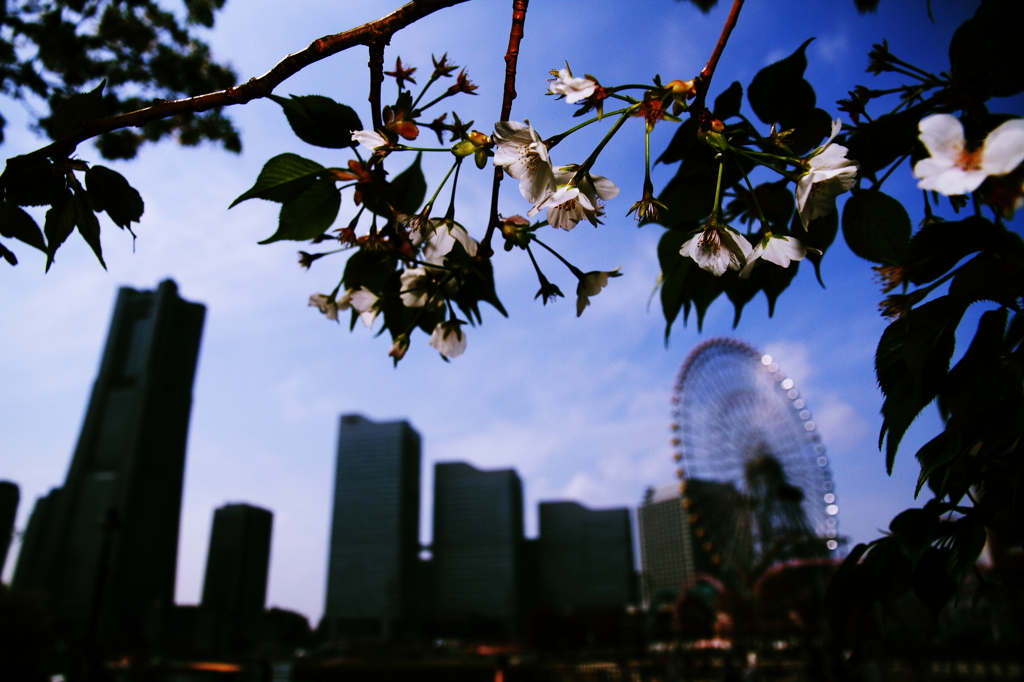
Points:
(88, 225)
(674, 270)
(938, 246)
(878, 143)
(8, 255)
(808, 131)
(69, 115)
(14, 222)
(986, 51)
(320, 120)
(820, 234)
(60, 221)
(932, 583)
(371, 269)
(779, 93)
(38, 183)
(408, 190)
(728, 103)
(282, 179)
(308, 215)
(683, 141)
(109, 191)
(877, 227)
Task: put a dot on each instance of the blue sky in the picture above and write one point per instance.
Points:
(580, 407)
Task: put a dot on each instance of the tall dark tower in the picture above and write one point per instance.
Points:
(478, 538)
(109, 544)
(237, 565)
(9, 497)
(373, 557)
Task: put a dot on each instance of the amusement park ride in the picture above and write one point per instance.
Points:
(758, 497)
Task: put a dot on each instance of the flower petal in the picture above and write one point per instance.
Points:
(1004, 148)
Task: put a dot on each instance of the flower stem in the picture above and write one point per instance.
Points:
(572, 268)
(753, 195)
(450, 213)
(718, 189)
(893, 167)
(589, 163)
(552, 141)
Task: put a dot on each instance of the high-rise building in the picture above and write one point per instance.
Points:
(373, 557)
(237, 566)
(586, 556)
(9, 497)
(477, 546)
(107, 548)
(682, 536)
(666, 544)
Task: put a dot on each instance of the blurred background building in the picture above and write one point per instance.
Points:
(372, 560)
(104, 546)
(586, 557)
(237, 567)
(477, 550)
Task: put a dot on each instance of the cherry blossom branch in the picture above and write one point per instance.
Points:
(376, 64)
(515, 37)
(703, 82)
(378, 31)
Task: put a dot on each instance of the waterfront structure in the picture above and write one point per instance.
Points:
(237, 566)
(9, 497)
(374, 545)
(586, 557)
(477, 545)
(104, 547)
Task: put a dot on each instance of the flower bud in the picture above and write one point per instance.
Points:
(464, 148)
(479, 139)
(681, 89)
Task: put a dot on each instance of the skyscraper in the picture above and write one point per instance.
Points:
(586, 556)
(666, 544)
(478, 537)
(107, 549)
(371, 572)
(9, 497)
(237, 565)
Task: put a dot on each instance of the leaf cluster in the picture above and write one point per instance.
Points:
(55, 48)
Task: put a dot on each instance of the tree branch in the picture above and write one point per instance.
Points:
(376, 65)
(374, 32)
(703, 81)
(515, 37)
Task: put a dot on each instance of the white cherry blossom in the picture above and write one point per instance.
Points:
(717, 249)
(416, 285)
(524, 156)
(574, 89)
(780, 250)
(952, 169)
(569, 204)
(442, 237)
(591, 284)
(326, 306)
(363, 302)
(828, 174)
(369, 139)
(449, 339)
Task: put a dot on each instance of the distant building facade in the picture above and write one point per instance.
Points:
(477, 545)
(586, 557)
(9, 497)
(666, 544)
(105, 546)
(237, 566)
(373, 555)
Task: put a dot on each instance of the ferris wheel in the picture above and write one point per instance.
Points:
(754, 477)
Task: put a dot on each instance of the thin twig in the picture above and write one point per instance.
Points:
(376, 64)
(379, 31)
(704, 79)
(515, 37)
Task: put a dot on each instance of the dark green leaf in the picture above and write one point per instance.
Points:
(820, 234)
(282, 179)
(14, 222)
(60, 221)
(779, 93)
(683, 141)
(110, 192)
(38, 183)
(969, 539)
(864, 6)
(70, 114)
(990, 276)
(8, 255)
(878, 143)
(406, 192)
(320, 120)
(88, 225)
(703, 5)
(674, 271)
(809, 131)
(728, 103)
(939, 246)
(987, 52)
(877, 227)
(932, 583)
(370, 269)
(308, 215)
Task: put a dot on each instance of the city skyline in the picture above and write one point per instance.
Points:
(579, 406)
